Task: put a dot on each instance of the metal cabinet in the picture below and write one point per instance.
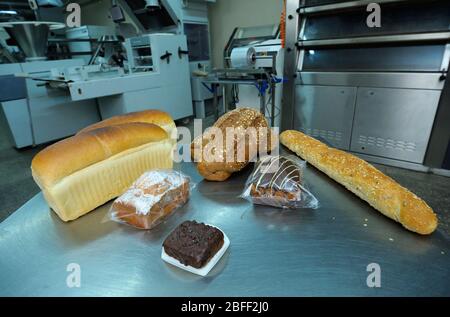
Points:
(399, 70)
(394, 123)
(325, 112)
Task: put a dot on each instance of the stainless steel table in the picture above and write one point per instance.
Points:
(273, 252)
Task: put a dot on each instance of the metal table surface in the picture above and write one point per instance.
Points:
(272, 252)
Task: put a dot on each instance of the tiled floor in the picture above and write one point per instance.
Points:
(17, 185)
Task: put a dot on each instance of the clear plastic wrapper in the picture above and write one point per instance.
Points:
(151, 199)
(279, 181)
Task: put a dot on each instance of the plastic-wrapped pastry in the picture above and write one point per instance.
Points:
(278, 181)
(152, 198)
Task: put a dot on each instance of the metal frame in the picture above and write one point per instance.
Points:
(440, 134)
(293, 21)
(343, 6)
(301, 56)
(367, 79)
(256, 77)
(383, 39)
(446, 59)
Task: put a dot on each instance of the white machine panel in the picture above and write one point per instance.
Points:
(45, 114)
(55, 116)
(166, 86)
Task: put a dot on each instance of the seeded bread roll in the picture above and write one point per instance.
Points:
(234, 154)
(80, 173)
(365, 181)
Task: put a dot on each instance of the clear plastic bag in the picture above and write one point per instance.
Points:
(279, 181)
(151, 199)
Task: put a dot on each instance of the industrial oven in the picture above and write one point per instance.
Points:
(380, 92)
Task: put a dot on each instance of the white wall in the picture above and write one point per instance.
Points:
(225, 15)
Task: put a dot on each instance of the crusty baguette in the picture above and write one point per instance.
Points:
(160, 118)
(365, 181)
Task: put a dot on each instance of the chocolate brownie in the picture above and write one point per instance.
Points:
(193, 243)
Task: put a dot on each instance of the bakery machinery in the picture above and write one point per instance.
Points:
(34, 113)
(265, 43)
(157, 77)
(382, 93)
(83, 40)
(44, 100)
(179, 17)
(259, 79)
(253, 60)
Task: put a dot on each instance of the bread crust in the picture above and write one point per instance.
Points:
(160, 118)
(70, 155)
(365, 181)
(239, 118)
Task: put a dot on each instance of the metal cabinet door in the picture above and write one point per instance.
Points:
(394, 123)
(325, 112)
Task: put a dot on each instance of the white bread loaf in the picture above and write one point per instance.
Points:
(365, 181)
(160, 118)
(80, 173)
